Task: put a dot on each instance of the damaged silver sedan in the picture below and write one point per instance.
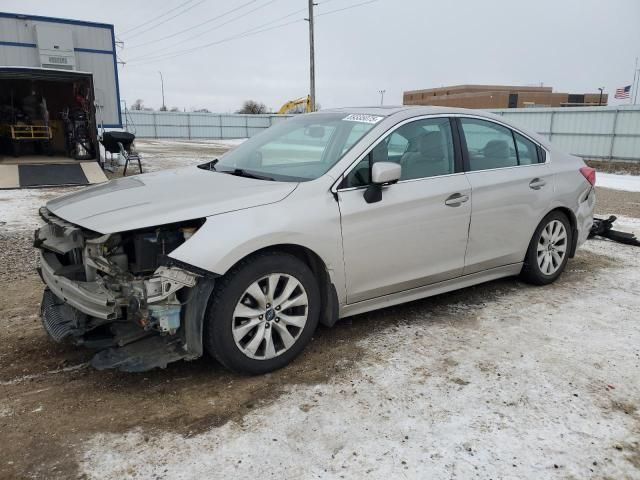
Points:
(319, 217)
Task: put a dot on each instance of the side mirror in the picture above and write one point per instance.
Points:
(385, 172)
(382, 173)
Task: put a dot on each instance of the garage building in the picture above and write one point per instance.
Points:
(58, 90)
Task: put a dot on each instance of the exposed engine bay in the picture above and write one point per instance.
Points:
(121, 293)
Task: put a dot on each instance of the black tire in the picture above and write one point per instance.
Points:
(218, 337)
(531, 270)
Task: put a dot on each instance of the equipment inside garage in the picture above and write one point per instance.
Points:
(48, 133)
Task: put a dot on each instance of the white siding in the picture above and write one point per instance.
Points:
(93, 37)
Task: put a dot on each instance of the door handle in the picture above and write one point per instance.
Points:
(456, 200)
(537, 184)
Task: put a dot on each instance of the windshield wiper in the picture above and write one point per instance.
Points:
(239, 172)
(209, 165)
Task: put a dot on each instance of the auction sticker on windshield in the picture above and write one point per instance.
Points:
(362, 118)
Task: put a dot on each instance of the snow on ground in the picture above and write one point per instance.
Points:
(19, 208)
(628, 183)
(163, 154)
(535, 383)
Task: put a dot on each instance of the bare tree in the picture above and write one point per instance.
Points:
(252, 107)
(138, 105)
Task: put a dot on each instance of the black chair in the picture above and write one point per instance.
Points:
(120, 142)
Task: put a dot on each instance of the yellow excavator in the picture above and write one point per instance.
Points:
(291, 104)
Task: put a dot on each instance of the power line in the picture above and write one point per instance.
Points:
(217, 17)
(239, 18)
(247, 33)
(345, 8)
(190, 7)
(156, 18)
(241, 34)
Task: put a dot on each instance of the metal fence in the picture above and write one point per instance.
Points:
(607, 133)
(196, 125)
(599, 133)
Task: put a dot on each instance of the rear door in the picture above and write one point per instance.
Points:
(417, 233)
(511, 192)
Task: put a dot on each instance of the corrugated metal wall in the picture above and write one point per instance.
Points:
(610, 133)
(196, 125)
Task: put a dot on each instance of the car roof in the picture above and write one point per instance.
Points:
(407, 110)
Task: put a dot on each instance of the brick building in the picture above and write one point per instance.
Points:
(500, 96)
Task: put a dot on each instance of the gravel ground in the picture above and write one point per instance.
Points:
(502, 380)
(630, 168)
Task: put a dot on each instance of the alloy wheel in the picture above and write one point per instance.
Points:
(552, 247)
(270, 316)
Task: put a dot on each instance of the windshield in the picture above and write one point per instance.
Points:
(301, 148)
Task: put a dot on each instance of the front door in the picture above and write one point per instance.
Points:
(417, 234)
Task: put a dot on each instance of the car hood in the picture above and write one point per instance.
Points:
(164, 197)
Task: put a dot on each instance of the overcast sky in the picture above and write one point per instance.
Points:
(574, 46)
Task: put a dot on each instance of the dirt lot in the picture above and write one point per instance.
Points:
(501, 380)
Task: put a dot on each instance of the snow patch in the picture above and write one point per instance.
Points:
(628, 183)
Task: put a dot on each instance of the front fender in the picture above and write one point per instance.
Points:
(227, 238)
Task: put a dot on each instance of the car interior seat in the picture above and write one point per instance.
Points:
(428, 160)
(496, 154)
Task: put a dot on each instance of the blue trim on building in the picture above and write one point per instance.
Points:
(92, 50)
(115, 69)
(18, 44)
(68, 21)
(33, 45)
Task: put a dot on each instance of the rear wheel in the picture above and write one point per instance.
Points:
(548, 250)
(262, 313)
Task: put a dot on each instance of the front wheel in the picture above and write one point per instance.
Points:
(548, 251)
(262, 313)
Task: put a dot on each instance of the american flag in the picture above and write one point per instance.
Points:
(623, 92)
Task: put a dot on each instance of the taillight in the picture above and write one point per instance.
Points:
(589, 173)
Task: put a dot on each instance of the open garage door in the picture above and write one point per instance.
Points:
(48, 130)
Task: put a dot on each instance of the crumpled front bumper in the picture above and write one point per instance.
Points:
(90, 298)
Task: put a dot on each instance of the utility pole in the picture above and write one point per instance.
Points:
(164, 107)
(312, 66)
(600, 99)
(381, 92)
(635, 82)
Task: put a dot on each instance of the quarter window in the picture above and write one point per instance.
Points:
(489, 145)
(527, 151)
(423, 148)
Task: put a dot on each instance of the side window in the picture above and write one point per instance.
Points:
(490, 145)
(527, 151)
(397, 146)
(423, 148)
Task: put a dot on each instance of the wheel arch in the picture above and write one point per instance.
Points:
(573, 222)
(328, 295)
